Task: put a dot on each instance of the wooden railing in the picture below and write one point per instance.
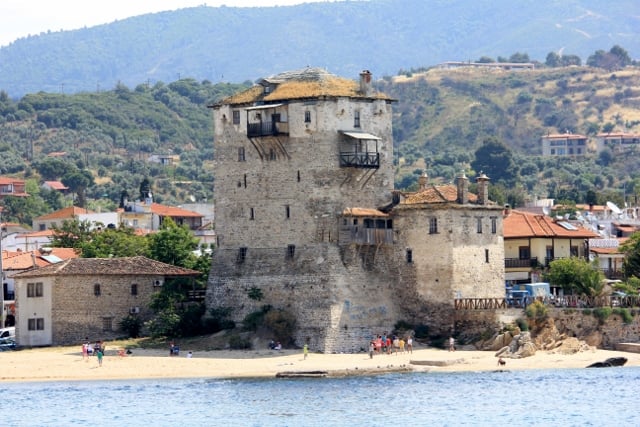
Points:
(360, 160)
(521, 262)
(568, 301)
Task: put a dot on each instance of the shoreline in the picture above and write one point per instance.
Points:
(67, 364)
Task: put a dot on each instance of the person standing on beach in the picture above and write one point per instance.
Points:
(452, 344)
(409, 344)
(305, 350)
(85, 356)
(372, 348)
(99, 354)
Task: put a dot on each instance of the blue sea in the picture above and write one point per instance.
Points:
(580, 397)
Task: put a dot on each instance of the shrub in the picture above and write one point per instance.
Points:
(421, 331)
(403, 325)
(536, 311)
(255, 294)
(602, 313)
(282, 324)
(624, 313)
(236, 342)
(522, 324)
(219, 320)
(131, 325)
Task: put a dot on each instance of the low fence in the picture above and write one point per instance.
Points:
(570, 301)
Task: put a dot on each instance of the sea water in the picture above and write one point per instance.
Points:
(566, 397)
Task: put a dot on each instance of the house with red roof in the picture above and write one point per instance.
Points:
(55, 186)
(532, 241)
(62, 303)
(55, 219)
(12, 187)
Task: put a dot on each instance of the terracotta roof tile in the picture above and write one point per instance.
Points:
(134, 266)
(518, 224)
(436, 194)
(173, 211)
(65, 213)
(363, 212)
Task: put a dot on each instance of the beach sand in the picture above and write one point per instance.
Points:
(66, 363)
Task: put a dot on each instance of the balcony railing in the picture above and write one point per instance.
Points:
(266, 129)
(521, 263)
(360, 160)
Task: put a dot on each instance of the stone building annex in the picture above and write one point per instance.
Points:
(306, 213)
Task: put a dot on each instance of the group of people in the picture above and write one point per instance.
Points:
(385, 344)
(96, 349)
(275, 346)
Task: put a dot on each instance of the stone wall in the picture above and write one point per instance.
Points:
(78, 313)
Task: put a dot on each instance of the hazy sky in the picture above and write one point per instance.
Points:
(20, 18)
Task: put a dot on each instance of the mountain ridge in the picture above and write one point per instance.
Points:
(238, 44)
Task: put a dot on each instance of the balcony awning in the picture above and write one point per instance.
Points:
(263, 107)
(359, 135)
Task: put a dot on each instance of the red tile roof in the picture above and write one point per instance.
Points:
(26, 260)
(173, 211)
(363, 212)
(518, 224)
(435, 194)
(130, 266)
(65, 213)
(56, 185)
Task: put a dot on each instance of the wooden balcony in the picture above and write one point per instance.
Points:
(261, 129)
(360, 160)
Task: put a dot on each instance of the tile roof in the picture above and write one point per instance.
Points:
(65, 213)
(518, 224)
(173, 211)
(363, 212)
(56, 185)
(446, 193)
(26, 260)
(301, 84)
(129, 266)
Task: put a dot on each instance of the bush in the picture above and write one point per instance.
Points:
(602, 313)
(536, 311)
(253, 320)
(131, 325)
(422, 331)
(282, 324)
(522, 324)
(626, 315)
(236, 342)
(219, 320)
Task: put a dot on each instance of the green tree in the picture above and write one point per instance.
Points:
(496, 160)
(78, 181)
(631, 250)
(110, 242)
(576, 275)
(72, 234)
(173, 244)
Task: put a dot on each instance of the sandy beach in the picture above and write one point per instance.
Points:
(67, 363)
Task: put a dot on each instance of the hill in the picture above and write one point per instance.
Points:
(236, 44)
(441, 118)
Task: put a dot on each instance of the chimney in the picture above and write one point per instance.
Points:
(365, 82)
(422, 181)
(462, 185)
(483, 189)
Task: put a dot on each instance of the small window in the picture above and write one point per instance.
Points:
(409, 256)
(574, 251)
(35, 290)
(245, 180)
(42, 227)
(494, 225)
(291, 251)
(356, 119)
(433, 225)
(251, 214)
(96, 289)
(272, 154)
(298, 176)
(241, 157)
(307, 116)
(35, 324)
(242, 254)
(486, 255)
(479, 225)
(524, 252)
(287, 212)
(107, 324)
(134, 289)
(236, 117)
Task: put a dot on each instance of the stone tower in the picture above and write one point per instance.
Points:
(303, 161)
